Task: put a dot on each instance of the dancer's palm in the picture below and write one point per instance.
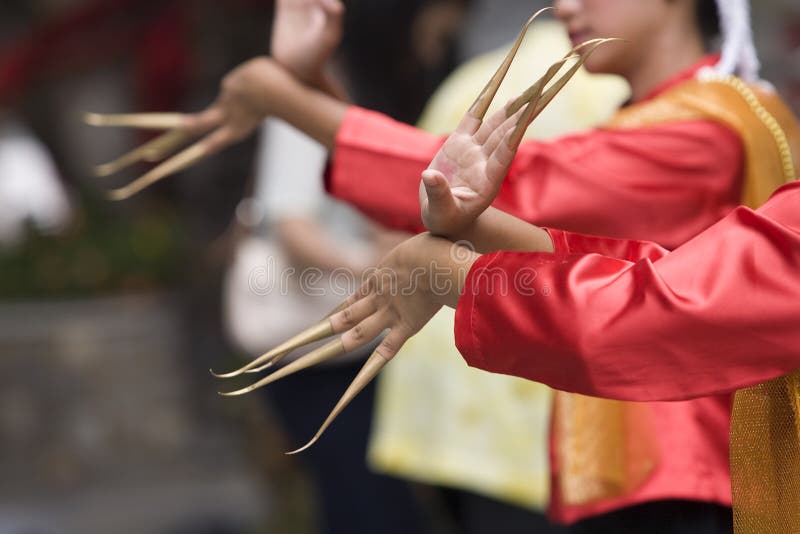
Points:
(465, 176)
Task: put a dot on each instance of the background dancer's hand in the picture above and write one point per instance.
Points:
(465, 176)
(305, 34)
(248, 94)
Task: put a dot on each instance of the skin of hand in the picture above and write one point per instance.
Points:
(465, 176)
(258, 88)
(305, 34)
(244, 100)
(403, 292)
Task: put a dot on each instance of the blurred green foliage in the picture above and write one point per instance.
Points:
(100, 252)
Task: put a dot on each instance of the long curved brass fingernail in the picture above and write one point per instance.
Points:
(326, 352)
(548, 95)
(533, 95)
(559, 84)
(264, 367)
(146, 121)
(274, 361)
(485, 97)
(176, 163)
(153, 150)
(278, 358)
(536, 89)
(537, 100)
(319, 331)
(371, 368)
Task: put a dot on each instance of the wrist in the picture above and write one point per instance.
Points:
(314, 77)
(450, 268)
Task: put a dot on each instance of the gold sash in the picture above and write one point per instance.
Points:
(605, 448)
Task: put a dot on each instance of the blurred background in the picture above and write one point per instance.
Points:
(111, 313)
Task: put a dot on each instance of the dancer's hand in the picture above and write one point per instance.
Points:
(247, 95)
(409, 285)
(252, 91)
(466, 174)
(304, 35)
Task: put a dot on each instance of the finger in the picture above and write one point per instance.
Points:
(353, 314)
(204, 121)
(344, 304)
(365, 331)
(164, 145)
(492, 123)
(147, 121)
(500, 133)
(484, 100)
(468, 125)
(500, 160)
(523, 121)
(319, 331)
(217, 140)
(321, 354)
(180, 161)
(153, 150)
(379, 358)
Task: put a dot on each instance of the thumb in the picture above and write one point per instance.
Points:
(437, 188)
(436, 185)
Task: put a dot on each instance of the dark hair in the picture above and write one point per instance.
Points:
(707, 18)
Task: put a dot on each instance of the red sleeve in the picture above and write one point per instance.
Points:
(376, 167)
(623, 249)
(674, 180)
(719, 313)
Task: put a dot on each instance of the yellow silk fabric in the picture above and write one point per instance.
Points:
(765, 427)
(605, 448)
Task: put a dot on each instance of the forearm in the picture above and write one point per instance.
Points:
(497, 230)
(308, 245)
(312, 111)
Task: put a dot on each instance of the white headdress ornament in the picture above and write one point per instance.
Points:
(738, 52)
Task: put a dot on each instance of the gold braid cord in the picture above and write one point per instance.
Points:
(765, 427)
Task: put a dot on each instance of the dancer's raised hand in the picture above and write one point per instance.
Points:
(305, 34)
